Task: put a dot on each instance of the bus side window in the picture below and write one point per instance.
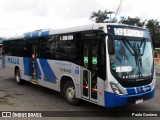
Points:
(52, 47)
(44, 48)
(73, 49)
(60, 49)
(22, 48)
(11, 48)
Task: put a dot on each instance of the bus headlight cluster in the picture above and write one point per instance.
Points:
(115, 89)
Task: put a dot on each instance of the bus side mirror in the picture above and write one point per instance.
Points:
(111, 45)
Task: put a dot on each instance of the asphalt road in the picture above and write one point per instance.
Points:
(30, 97)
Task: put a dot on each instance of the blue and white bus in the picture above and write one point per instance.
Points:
(107, 64)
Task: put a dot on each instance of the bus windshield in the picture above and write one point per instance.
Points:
(132, 59)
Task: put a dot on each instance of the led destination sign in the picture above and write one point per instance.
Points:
(129, 32)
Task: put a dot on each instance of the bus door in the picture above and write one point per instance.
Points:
(90, 54)
(34, 51)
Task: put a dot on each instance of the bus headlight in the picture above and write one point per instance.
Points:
(115, 89)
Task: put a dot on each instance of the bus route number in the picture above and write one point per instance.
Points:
(66, 37)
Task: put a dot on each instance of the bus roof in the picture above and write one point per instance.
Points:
(47, 32)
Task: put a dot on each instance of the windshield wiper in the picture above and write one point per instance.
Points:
(135, 50)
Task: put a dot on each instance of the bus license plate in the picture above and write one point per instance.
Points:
(139, 101)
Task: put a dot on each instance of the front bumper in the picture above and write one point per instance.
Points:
(114, 100)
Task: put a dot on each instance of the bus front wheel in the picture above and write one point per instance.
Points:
(18, 77)
(69, 93)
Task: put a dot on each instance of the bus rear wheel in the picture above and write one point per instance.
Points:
(69, 93)
(18, 77)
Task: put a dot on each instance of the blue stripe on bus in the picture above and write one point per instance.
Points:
(27, 62)
(27, 35)
(27, 66)
(45, 33)
(49, 75)
(131, 91)
(35, 34)
(39, 74)
(141, 89)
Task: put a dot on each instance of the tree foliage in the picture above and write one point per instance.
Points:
(154, 27)
(132, 21)
(99, 17)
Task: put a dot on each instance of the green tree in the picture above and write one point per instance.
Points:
(132, 21)
(154, 28)
(100, 16)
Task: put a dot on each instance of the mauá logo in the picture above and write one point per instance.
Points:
(13, 60)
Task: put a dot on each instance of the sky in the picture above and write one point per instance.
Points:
(21, 16)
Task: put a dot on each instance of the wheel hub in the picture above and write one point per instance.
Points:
(17, 78)
(70, 93)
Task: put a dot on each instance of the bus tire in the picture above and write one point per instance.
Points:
(18, 77)
(69, 93)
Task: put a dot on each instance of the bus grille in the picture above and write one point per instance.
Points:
(136, 83)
